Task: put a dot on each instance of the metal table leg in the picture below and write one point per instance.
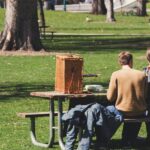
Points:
(51, 130)
(51, 123)
(60, 136)
(52, 127)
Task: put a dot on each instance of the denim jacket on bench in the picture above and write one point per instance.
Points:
(108, 118)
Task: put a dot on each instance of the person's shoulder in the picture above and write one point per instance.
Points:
(139, 72)
(115, 73)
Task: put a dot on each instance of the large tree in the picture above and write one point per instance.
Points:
(21, 30)
(141, 7)
(98, 7)
(110, 11)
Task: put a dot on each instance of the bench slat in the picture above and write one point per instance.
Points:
(33, 114)
(36, 114)
(45, 114)
(145, 119)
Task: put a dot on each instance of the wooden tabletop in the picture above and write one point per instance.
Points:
(55, 94)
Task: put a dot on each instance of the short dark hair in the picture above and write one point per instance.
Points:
(125, 58)
(148, 54)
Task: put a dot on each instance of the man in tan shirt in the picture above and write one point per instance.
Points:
(127, 88)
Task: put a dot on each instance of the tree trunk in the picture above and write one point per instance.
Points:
(141, 8)
(42, 17)
(110, 11)
(98, 7)
(102, 7)
(95, 7)
(1, 4)
(21, 30)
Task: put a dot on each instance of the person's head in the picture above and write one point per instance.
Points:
(148, 55)
(125, 58)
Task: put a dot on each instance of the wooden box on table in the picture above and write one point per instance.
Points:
(68, 77)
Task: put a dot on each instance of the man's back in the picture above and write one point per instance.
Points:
(127, 87)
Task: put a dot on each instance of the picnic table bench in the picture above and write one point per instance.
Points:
(46, 31)
(46, 114)
(52, 113)
(52, 96)
(141, 119)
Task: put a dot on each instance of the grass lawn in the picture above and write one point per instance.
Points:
(67, 22)
(75, 23)
(22, 74)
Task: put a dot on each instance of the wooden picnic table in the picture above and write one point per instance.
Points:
(55, 116)
(59, 97)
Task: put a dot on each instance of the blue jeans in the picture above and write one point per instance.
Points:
(71, 135)
(131, 130)
(130, 133)
(108, 118)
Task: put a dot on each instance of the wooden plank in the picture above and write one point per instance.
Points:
(36, 114)
(145, 119)
(33, 114)
(90, 75)
(57, 95)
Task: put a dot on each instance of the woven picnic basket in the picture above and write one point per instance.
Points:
(68, 77)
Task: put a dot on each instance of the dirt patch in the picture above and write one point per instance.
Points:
(28, 53)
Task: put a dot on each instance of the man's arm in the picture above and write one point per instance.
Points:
(112, 90)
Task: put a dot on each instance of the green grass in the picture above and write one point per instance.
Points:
(148, 5)
(21, 75)
(75, 23)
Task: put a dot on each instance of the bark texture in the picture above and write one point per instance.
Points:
(102, 7)
(95, 7)
(141, 8)
(110, 11)
(21, 30)
(98, 7)
(42, 17)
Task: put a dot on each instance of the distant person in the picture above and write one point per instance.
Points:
(127, 88)
(51, 4)
(1, 3)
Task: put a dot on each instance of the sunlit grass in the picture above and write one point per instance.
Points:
(20, 75)
(75, 23)
(68, 22)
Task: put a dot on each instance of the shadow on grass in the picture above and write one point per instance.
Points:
(140, 144)
(11, 91)
(21, 90)
(116, 144)
(84, 43)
